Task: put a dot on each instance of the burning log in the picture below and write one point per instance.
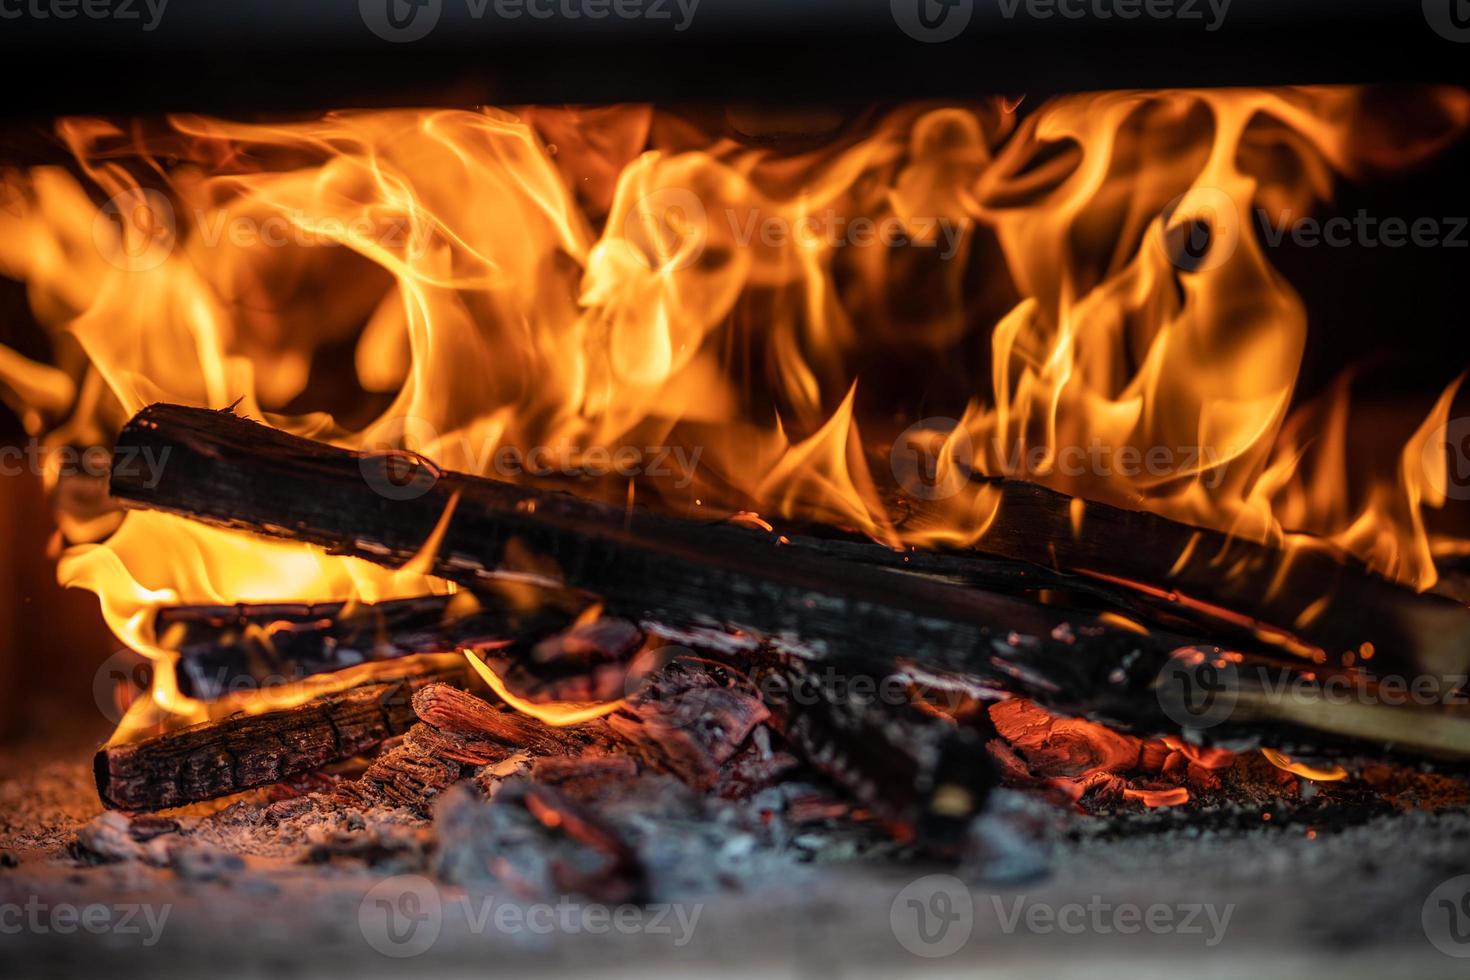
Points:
(236, 473)
(225, 649)
(822, 598)
(1307, 597)
(244, 751)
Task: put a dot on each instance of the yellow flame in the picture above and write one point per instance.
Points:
(570, 284)
(1319, 774)
(559, 713)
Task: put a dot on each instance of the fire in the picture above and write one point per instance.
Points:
(551, 712)
(569, 284)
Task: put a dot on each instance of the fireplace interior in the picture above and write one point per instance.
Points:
(931, 524)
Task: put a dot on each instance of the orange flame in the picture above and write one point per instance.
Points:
(569, 285)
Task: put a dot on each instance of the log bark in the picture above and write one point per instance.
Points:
(244, 751)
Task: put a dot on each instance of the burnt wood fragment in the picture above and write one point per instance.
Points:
(244, 751)
(920, 773)
(819, 598)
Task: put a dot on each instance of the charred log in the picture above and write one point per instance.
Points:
(228, 649)
(244, 751)
(1307, 597)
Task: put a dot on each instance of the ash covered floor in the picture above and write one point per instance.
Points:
(261, 888)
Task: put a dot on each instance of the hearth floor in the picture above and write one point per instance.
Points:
(1342, 901)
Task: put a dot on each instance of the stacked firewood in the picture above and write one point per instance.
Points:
(728, 657)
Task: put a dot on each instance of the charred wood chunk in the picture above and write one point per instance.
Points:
(916, 770)
(423, 765)
(244, 751)
(689, 722)
(589, 662)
